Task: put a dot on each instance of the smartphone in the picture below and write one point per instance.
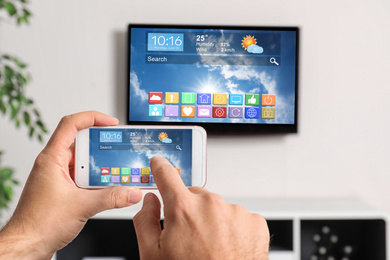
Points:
(120, 155)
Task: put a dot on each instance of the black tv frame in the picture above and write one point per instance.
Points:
(221, 128)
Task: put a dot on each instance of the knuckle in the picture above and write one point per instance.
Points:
(215, 200)
(179, 203)
(180, 209)
(159, 169)
(65, 119)
(41, 159)
(139, 217)
(259, 218)
(114, 199)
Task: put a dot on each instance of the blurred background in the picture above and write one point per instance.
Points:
(76, 54)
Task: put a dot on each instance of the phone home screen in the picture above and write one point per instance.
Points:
(122, 156)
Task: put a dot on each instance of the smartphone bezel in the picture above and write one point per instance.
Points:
(199, 144)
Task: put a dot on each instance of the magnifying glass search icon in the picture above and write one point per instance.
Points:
(273, 60)
(178, 147)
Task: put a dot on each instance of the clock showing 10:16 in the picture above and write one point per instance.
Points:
(165, 41)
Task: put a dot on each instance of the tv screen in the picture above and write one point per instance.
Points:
(224, 78)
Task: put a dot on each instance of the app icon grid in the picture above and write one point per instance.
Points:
(118, 175)
(212, 105)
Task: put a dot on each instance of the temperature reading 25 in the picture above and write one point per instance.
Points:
(201, 37)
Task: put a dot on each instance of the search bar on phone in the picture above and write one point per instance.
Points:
(146, 147)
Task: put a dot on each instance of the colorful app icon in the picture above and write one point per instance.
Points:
(252, 99)
(125, 179)
(115, 179)
(219, 112)
(252, 112)
(115, 171)
(235, 112)
(135, 179)
(155, 110)
(171, 98)
(171, 110)
(125, 171)
(219, 99)
(144, 179)
(135, 171)
(155, 97)
(105, 179)
(188, 98)
(204, 98)
(145, 171)
(268, 112)
(267, 100)
(152, 179)
(204, 111)
(105, 171)
(236, 99)
(187, 111)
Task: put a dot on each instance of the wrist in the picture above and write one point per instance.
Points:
(17, 244)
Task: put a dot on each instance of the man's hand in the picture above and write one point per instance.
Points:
(52, 210)
(197, 225)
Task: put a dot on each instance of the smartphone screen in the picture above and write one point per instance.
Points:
(122, 156)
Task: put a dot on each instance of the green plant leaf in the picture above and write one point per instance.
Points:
(26, 12)
(36, 112)
(14, 111)
(31, 132)
(25, 18)
(26, 117)
(6, 174)
(19, 63)
(3, 108)
(9, 72)
(10, 8)
(8, 192)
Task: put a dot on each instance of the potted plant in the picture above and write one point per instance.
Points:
(13, 100)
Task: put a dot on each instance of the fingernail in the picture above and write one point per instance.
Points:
(135, 196)
(147, 197)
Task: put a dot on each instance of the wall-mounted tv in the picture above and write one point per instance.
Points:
(224, 78)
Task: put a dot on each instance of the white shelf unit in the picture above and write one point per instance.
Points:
(293, 222)
(301, 219)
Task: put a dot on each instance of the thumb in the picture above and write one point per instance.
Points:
(147, 227)
(113, 197)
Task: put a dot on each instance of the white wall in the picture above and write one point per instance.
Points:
(76, 52)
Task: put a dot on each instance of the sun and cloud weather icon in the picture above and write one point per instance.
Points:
(163, 137)
(249, 43)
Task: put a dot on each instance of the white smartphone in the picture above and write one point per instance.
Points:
(120, 155)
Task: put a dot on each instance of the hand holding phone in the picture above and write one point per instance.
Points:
(51, 210)
(120, 156)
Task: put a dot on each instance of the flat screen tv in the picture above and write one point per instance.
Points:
(225, 78)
